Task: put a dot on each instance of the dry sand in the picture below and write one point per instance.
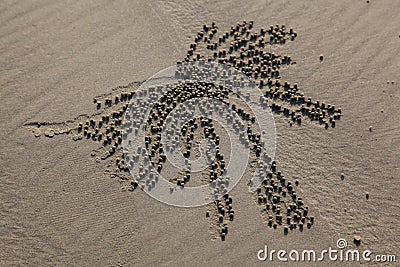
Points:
(59, 206)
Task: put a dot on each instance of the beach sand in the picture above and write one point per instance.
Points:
(61, 206)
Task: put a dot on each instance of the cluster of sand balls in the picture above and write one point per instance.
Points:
(222, 210)
(197, 128)
(281, 204)
(181, 92)
(246, 50)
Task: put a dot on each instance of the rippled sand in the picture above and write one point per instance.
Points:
(61, 206)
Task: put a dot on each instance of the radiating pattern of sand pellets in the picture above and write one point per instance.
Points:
(248, 51)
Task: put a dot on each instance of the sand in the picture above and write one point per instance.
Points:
(65, 201)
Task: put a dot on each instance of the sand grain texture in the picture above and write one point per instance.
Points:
(58, 207)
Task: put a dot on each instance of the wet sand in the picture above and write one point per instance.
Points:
(61, 205)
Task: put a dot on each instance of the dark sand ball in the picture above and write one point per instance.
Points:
(357, 239)
(223, 236)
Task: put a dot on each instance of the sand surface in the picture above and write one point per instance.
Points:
(59, 206)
